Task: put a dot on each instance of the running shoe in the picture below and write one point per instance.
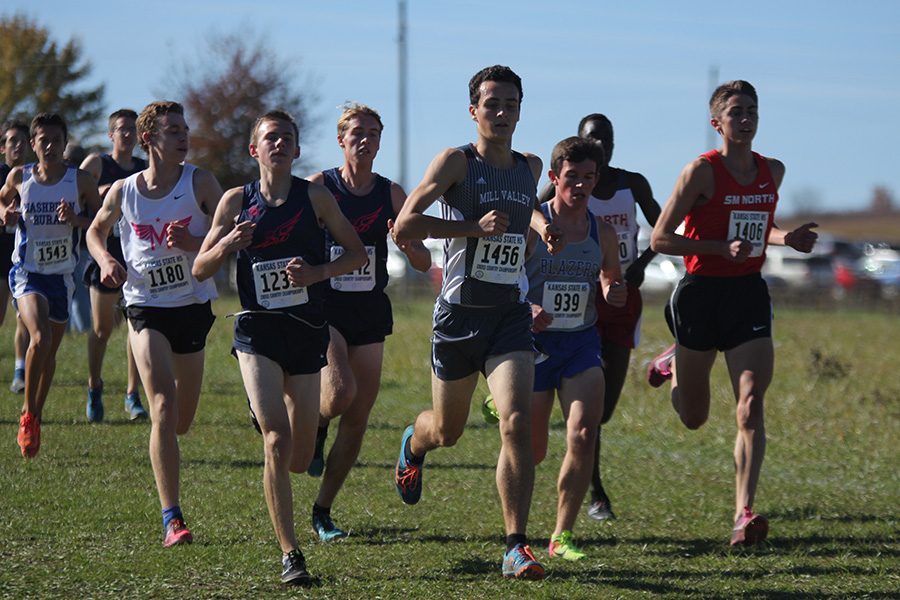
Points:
(253, 420)
(660, 368)
(133, 407)
(29, 436)
(408, 477)
(601, 510)
(177, 533)
(324, 527)
(749, 529)
(489, 411)
(293, 569)
(18, 382)
(562, 546)
(317, 464)
(95, 405)
(520, 563)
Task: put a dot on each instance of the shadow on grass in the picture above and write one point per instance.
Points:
(69, 423)
(429, 466)
(236, 464)
(812, 513)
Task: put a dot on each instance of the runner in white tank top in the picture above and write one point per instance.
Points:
(165, 212)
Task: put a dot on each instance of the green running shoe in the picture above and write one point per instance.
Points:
(489, 411)
(562, 546)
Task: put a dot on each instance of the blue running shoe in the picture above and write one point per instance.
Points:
(95, 405)
(520, 563)
(324, 527)
(133, 407)
(408, 477)
(317, 464)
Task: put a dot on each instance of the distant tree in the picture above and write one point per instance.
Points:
(882, 200)
(234, 81)
(37, 74)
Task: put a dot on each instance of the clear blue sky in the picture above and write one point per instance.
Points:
(828, 73)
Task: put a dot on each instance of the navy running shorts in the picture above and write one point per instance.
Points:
(298, 346)
(360, 317)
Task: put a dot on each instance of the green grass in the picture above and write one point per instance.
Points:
(82, 520)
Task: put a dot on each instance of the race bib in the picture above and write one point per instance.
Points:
(499, 258)
(360, 280)
(166, 276)
(567, 302)
(273, 288)
(626, 247)
(750, 225)
(53, 256)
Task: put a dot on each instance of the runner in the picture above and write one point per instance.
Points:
(357, 308)
(481, 322)
(14, 137)
(275, 226)
(562, 290)
(163, 214)
(54, 200)
(726, 199)
(105, 315)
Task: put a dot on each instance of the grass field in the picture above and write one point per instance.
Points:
(82, 519)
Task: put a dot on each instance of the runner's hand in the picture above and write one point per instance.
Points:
(112, 273)
(803, 238)
(737, 250)
(617, 294)
(238, 238)
(493, 223)
(540, 318)
(553, 237)
(302, 274)
(64, 212)
(177, 235)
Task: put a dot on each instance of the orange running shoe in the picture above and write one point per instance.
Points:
(29, 437)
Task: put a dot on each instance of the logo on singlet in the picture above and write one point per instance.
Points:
(148, 232)
(364, 223)
(280, 234)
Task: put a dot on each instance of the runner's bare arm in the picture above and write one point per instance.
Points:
(112, 273)
(9, 213)
(416, 252)
(207, 192)
(643, 197)
(224, 237)
(611, 270)
(550, 233)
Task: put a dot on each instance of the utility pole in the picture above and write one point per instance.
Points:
(402, 89)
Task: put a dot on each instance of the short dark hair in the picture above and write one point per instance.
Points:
(575, 149)
(595, 117)
(121, 113)
(720, 96)
(146, 121)
(275, 115)
(494, 73)
(13, 124)
(49, 120)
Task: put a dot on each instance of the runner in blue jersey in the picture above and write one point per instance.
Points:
(481, 322)
(275, 225)
(562, 290)
(54, 201)
(14, 136)
(358, 309)
(105, 316)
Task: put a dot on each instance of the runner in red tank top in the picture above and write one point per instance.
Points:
(726, 199)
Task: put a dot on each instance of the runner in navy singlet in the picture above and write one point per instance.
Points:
(105, 316)
(358, 309)
(275, 225)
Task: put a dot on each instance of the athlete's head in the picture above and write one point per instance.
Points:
(274, 115)
(274, 140)
(720, 96)
(598, 128)
(49, 135)
(353, 110)
(576, 150)
(573, 171)
(496, 73)
(14, 135)
(148, 120)
(122, 129)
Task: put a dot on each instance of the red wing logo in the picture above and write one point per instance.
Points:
(280, 234)
(364, 223)
(253, 211)
(148, 232)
